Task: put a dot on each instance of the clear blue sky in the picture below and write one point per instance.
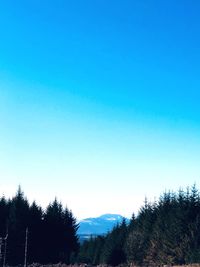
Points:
(99, 101)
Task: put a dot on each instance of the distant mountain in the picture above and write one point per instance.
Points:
(99, 225)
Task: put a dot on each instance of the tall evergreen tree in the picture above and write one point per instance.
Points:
(166, 232)
(18, 222)
(35, 233)
(4, 212)
(51, 236)
(70, 234)
(60, 239)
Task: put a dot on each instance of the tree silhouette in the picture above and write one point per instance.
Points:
(52, 234)
(166, 232)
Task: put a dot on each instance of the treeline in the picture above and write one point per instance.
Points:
(165, 232)
(52, 234)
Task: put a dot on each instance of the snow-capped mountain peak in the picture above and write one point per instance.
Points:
(99, 225)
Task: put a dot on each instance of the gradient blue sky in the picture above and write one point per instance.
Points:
(99, 101)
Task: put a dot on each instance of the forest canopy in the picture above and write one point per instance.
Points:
(164, 232)
(52, 234)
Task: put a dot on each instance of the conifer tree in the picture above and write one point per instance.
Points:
(18, 221)
(35, 233)
(4, 212)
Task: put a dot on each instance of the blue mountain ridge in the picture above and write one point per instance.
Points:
(99, 225)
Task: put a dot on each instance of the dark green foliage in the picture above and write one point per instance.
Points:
(59, 226)
(35, 226)
(51, 234)
(108, 249)
(72, 226)
(17, 223)
(165, 232)
(54, 234)
(4, 212)
(113, 251)
(90, 251)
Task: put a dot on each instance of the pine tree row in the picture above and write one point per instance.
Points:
(165, 232)
(51, 233)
